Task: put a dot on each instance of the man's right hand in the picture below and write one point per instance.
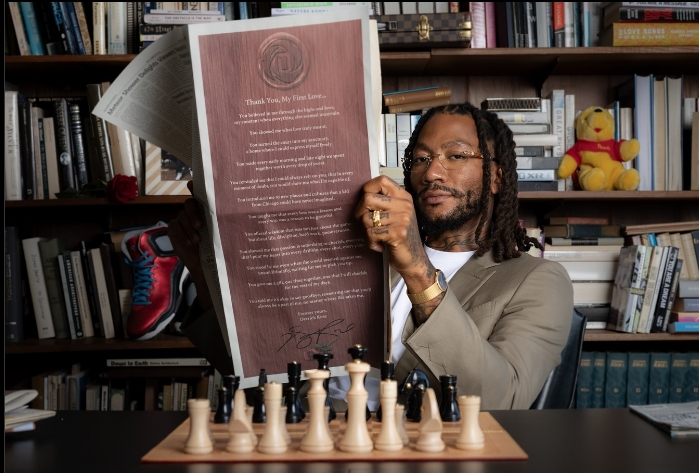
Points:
(184, 235)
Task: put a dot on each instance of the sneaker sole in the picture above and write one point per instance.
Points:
(156, 329)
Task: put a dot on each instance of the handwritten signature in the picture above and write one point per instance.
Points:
(305, 339)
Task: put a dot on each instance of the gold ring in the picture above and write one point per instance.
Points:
(377, 218)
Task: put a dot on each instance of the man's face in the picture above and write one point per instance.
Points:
(447, 199)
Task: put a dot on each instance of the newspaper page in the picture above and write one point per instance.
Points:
(280, 141)
(681, 419)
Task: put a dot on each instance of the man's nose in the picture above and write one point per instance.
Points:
(435, 169)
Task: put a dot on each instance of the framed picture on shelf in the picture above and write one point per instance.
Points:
(165, 174)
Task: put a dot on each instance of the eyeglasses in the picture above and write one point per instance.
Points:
(449, 161)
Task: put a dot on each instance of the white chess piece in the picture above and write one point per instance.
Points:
(282, 425)
(272, 441)
(471, 436)
(199, 440)
(389, 439)
(400, 423)
(242, 413)
(240, 440)
(357, 438)
(430, 427)
(317, 438)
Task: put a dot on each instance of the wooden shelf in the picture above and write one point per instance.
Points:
(611, 336)
(609, 195)
(92, 202)
(95, 344)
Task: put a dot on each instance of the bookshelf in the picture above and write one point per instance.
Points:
(473, 74)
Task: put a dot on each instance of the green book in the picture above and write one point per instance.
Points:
(679, 365)
(659, 378)
(49, 250)
(615, 379)
(691, 392)
(599, 367)
(584, 384)
(637, 384)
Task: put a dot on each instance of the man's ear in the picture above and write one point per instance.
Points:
(495, 178)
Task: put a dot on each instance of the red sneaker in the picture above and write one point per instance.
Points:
(158, 278)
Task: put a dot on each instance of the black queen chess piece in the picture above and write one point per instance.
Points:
(231, 383)
(358, 352)
(387, 372)
(414, 386)
(292, 400)
(294, 371)
(448, 407)
(259, 413)
(323, 364)
(223, 412)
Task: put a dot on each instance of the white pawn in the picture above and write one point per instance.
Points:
(389, 439)
(199, 440)
(317, 438)
(471, 436)
(400, 423)
(240, 440)
(357, 438)
(243, 414)
(282, 425)
(430, 438)
(272, 441)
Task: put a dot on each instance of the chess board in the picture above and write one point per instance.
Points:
(499, 445)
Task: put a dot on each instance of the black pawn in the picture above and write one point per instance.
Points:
(323, 364)
(417, 396)
(259, 413)
(231, 383)
(223, 412)
(292, 401)
(387, 372)
(294, 372)
(357, 352)
(448, 408)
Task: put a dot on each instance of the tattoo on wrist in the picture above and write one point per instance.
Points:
(422, 312)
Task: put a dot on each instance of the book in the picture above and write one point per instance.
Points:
(690, 243)
(686, 305)
(80, 156)
(600, 241)
(657, 320)
(99, 132)
(36, 45)
(42, 182)
(637, 383)
(590, 270)
(683, 327)
(650, 296)
(101, 292)
(20, 31)
(643, 100)
(416, 106)
(81, 292)
(582, 231)
(583, 387)
(112, 292)
(529, 128)
(37, 286)
(64, 148)
(691, 393)
(626, 288)
(155, 362)
(577, 221)
(659, 127)
(673, 295)
(536, 140)
(415, 95)
(49, 250)
(538, 175)
(679, 366)
(13, 169)
(661, 227)
(657, 34)
(534, 186)
(14, 327)
(26, 151)
(599, 369)
(621, 14)
(48, 135)
(83, 31)
(594, 292)
(99, 29)
(688, 288)
(179, 19)
(523, 117)
(537, 162)
(615, 382)
(68, 285)
(659, 378)
(116, 28)
(92, 302)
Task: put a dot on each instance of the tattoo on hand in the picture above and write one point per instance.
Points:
(422, 312)
(378, 230)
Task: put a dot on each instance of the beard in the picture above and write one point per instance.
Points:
(469, 207)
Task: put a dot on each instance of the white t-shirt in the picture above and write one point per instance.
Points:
(449, 263)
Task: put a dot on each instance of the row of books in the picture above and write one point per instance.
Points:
(56, 144)
(72, 293)
(649, 24)
(618, 379)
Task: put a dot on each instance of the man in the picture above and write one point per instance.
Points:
(492, 325)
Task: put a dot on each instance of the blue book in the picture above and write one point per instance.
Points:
(60, 15)
(228, 11)
(679, 365)
(410, 90)
(243, 10)
(599, 366)
(584, 385)
(659, 378)
(683, 327)
(691, 392)
(72, 22)
(36, 45)
(637, 384)
(615, 379)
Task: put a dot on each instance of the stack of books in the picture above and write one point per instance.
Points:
(650, 24)
(684, 316)
(157, 22)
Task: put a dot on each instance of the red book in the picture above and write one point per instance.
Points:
(559, 24)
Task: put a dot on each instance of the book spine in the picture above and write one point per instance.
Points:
(26, 151)
(656, 263)
(402, 133)
(584, 383)
(659, 378)
(691, 393)
(13, 169)
(599, 367)
(49, 30)
(49, 250)
(631, 14)
(14, 328)
(63, 144)
(558, 121)
(73, 296)
(523, 117)
(54, 185)
(67, 29)
(679, 365)
(664, 288)
(116, 27)
(156, 362)
(79, 149)
(144, 29)
(559, 24)
(524, 175)
(82, 26)
(42, 159)
(417, 96)
(690, 244)
(154, 19)
(71, 21)
(99, 129)
(478, 38)
(37, 287)
(673, 294)
(20, 31)
(36, 46)
(490, 30)
(81, 294)
(63, 33)
(657, 34)
(391, 140)
(569, 121)
(414, 106)
(637, 384)
(616, 380)
(131, 42)
(101, 295)
(112, 292)
(66, 296)
(92, 303)
(99, 30)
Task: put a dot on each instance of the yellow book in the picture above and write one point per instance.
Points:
(651, 34)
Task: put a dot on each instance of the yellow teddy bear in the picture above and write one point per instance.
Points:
(597, 156)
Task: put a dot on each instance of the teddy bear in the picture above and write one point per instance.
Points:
(595, 160)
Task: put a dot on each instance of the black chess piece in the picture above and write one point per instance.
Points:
(259, 413)
(223, 412)
(231, 383)
(387, 372)
(448, 407)
(418, 396)
(357, 352)
(294, 372)
(408, 387)
(323, 364)
(292, 400)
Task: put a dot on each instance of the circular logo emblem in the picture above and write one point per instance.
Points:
(283, 61)
(65, 159)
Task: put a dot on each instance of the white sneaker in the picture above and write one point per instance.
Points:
(178, 176)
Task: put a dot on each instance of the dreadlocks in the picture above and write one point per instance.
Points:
(506, 237)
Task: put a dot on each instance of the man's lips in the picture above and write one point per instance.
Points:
(435, 197)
